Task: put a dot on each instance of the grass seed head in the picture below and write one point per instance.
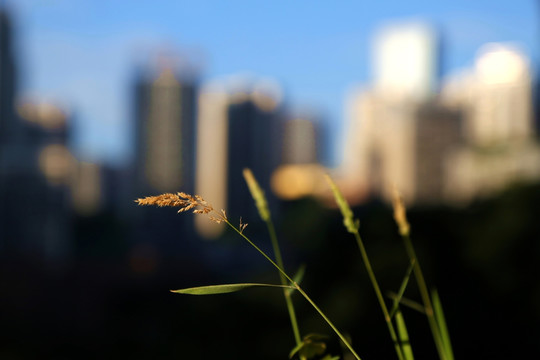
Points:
(400, 215)
(258, 195)
(184, 202)
(349, 222)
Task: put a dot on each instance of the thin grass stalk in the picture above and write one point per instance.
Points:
(287, 294)
(300, 290)
(424, 293)
(411, 304)
(264, 212)
(196, 203)
(402, 288)
(400, 216)
(379, 295)
(439, 316)
(404, 336)
(352, 226)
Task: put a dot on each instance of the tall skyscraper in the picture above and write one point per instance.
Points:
(237, 129)
(471, 140)
(300, 141)
(253, 142)
(502, 105)
(496, 99)
(165, 141)
(165, 133)
(399, 134)
(401, 143)
(36, 174)
(212, 154)
(300, 173)
(8, 121)
(406, 61)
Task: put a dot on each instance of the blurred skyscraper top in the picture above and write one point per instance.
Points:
(497, 93)
(165, 132)
(8, 123)
(406, 61)
(239, 126)
(300, 173)
(496, 98)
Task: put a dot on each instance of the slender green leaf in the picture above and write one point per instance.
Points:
(299, 274)
(402, 288)
(308, 350)
(298, 277)
(403, 336)
(296, 349)
(441, 323)
(222, 289)
(312, 345)
(330, 357)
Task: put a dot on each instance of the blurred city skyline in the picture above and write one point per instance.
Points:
(85, 55)
(440, 101)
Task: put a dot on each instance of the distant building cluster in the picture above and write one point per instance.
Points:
(449, 141)
(34, 165)
(438, 141)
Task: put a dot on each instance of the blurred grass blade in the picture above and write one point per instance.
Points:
(298, 277)
(402, 288)
(349, 222)
(403, 336)
(258, 194)
(408, 303)
(223, 289)
(296, 349)
(299, 274)
(441, 323)
(311, 346)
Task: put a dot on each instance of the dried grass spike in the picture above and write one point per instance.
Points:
(182, 200)
(216, 220)
(242, 226)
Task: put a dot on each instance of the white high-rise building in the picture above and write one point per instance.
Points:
(238, 123)
(405, 61)
(393, 133)
(496, 99)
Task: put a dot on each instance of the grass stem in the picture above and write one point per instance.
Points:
(352, 225)
(287, 294)
(264, 212)
(424, 293)
(379, 295)
(300, 290)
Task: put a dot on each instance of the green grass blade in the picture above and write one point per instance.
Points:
(403, 336)
(441, 323)
(402, 288)
(298, 277)
(311, 346)
(223, 289)
(300, 274)
(408, 303)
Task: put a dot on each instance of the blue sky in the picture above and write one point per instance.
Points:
(83, 53)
